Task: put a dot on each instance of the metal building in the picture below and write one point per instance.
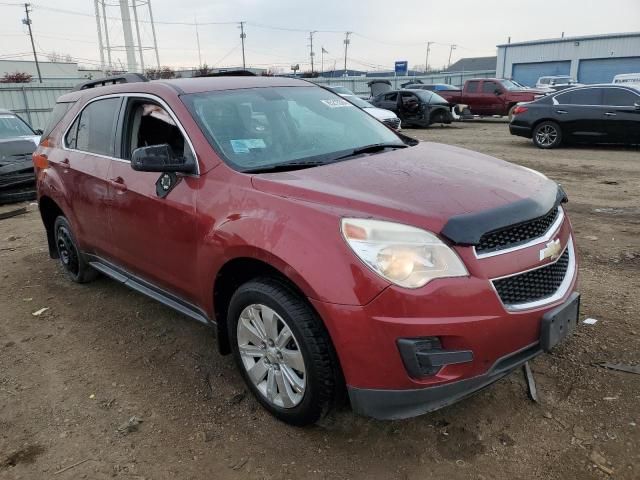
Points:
(588, 59)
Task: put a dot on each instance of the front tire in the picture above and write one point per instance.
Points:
(71, 258)
(283, 351)
(547, 135)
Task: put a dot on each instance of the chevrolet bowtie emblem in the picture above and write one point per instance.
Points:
(551, 250)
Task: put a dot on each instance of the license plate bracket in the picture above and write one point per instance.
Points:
(560, 322)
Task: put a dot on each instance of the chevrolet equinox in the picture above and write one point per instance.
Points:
(330, 254)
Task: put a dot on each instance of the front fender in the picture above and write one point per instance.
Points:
(302, 240)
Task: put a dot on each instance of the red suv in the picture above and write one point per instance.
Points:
(329, 253)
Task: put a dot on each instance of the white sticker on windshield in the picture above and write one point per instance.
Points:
(336, 103)
(243, 145)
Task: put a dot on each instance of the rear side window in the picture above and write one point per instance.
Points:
(472, 87)
(392, 97)
(59, 111)
(94, 130)
(620, 97)
(586, 96)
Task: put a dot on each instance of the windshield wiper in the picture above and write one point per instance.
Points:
(376, 147)
(283, 167)
(299, 165)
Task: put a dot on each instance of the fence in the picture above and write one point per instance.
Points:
(33, 101)
(358, 85)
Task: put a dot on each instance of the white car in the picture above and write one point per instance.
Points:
(627, 79)
(385, 116)
(556, 82)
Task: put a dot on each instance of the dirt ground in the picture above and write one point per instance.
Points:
(72, 377)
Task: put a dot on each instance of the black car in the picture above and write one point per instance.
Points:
(415, 107)
(590, 114)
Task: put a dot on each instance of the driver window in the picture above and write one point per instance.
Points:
(149, 124)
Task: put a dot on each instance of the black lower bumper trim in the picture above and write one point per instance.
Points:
(397, 404)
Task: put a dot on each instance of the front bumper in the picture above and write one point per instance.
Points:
(386, 404)
(465, 314)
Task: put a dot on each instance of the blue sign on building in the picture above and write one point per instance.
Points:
(402, 67)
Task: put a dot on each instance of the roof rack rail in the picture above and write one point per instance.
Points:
(113, 80)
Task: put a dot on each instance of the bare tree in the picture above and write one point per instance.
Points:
(16, 77)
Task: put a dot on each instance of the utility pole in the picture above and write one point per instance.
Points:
(27, 22)
(153, 31)
(311, 54)
(100, 45)
(106, 36)
(242, 37)
(198, 42)
(135, 19)
(426, 60)
(346, 47)
(453, 47)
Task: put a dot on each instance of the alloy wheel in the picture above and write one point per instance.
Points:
(271, 356)
(546, 135)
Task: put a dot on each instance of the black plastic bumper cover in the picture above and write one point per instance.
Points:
(398, 404)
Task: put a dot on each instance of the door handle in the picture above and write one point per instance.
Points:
(562, 112)
(610, 114)
(118, 183)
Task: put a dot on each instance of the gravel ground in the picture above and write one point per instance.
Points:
(73, 378)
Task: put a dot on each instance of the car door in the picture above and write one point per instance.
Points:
(152, 215)
(411, 108)
(88, 148)
(580, 113)
(492, 99)
(389, 101)
(473, 97)
(622, 114)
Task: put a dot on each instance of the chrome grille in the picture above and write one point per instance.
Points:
(517, 234)
(533, 285)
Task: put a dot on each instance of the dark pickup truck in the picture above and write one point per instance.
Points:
(490, 96)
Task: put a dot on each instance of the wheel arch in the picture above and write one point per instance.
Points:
(49, 211)
(239, 270)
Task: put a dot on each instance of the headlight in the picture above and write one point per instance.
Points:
(407, 256)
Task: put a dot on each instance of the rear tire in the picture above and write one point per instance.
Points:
(283, 351)
(71, 258)
(547, 135)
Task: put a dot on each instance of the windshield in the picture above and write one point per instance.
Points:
(12, 126)
(509, 85)
(443, 86)
(258, 128)
(357, 101)
(429, 96)
(340, 90)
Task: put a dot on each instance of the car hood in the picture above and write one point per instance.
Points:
(16, 149)
(424, 185)
(380, 113)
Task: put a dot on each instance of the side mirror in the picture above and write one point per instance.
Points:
(636, 106)
(160, 158)
(497, 91)
(39, 131)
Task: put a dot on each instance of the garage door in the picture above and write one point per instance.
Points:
(602, 70)
(528, 73)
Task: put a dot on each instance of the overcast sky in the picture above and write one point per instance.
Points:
(384, 31)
